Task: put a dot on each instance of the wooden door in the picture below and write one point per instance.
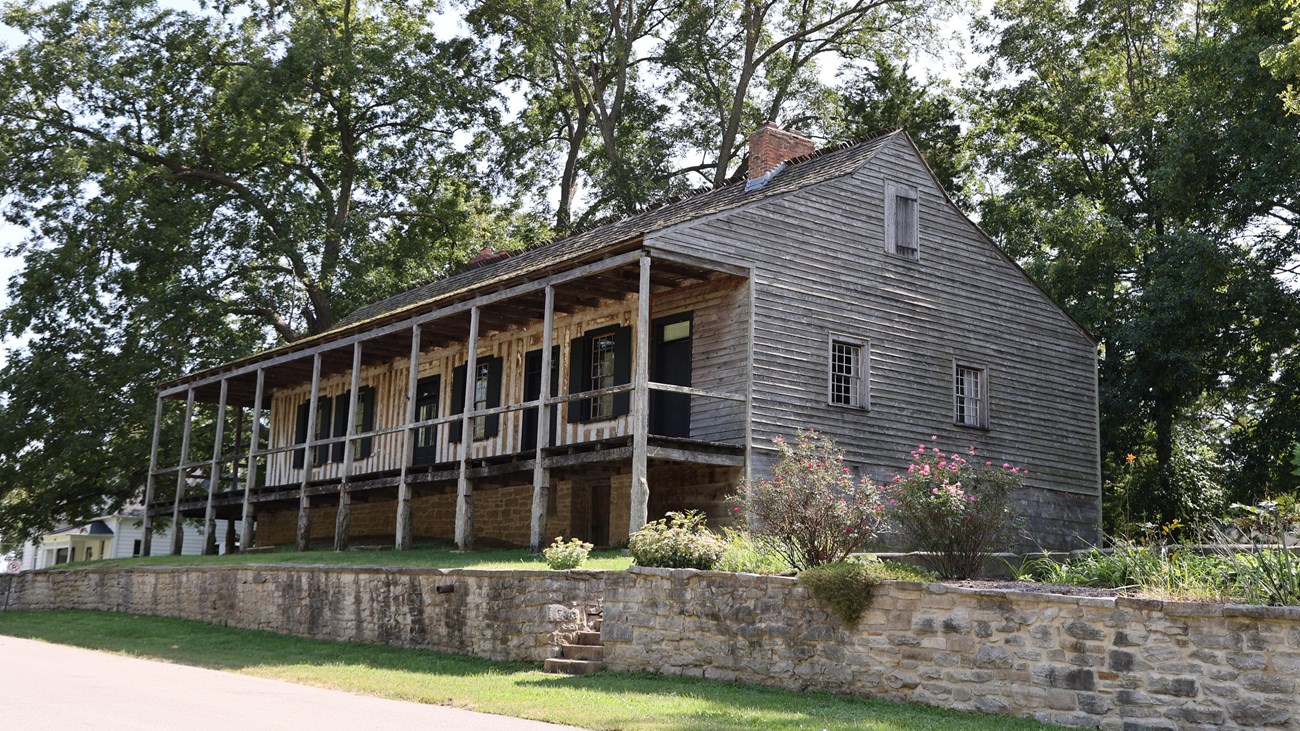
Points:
(533, 389)
(670, 362)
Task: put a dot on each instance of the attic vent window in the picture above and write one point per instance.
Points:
(902, 229)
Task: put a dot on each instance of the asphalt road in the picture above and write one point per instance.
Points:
(45, 686)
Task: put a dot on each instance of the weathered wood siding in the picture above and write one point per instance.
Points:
(718, 361)
(820, 267)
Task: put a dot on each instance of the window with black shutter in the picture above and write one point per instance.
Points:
(487, 395)
(428, 392)
(323, 428)
(597, 360)
(364, 418)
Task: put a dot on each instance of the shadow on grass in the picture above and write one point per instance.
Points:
(612, 700)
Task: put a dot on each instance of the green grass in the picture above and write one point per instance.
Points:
(609, 700)
(440, 556)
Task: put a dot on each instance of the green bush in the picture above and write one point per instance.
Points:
(560, 555)
(844, 587)
(742, 553)
(1268, 573)
(678, 541)
(956, 512)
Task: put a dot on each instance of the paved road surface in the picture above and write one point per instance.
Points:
(45, 686)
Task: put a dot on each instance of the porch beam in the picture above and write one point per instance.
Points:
(700, 262)
(180, 473)
(151, 480)
(246, 524)
(542, 475)
(613, 262)
(214, 474)
(464, 497)
(640, 404)
(343, 519)
(404, 523)
(308, 459)
(670, 388)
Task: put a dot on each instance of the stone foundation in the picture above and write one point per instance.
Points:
(1116, 664)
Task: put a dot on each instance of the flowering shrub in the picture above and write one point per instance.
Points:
(955, 511)
(560, 555)
(812, 511)
(678, 541)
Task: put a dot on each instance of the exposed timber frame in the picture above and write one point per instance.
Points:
(246, 524)
(177, 530)
(343, 520)
(404, 527)
(151, 480)
(464, 496)
(214, 474)
(541, 473)
(309, 457)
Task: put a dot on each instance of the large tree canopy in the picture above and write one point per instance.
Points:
(1151, 181)
(197, 184)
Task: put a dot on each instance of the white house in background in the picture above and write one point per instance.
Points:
(117, 535)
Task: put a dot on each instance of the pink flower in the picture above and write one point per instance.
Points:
(988, 464)
(933, 437)
(1006, 465)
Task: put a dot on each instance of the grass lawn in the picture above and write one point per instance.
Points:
(438, 556)
(609, 700)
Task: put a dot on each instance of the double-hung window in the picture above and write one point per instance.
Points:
(486, 395)
(970, 402)
(849, 373)
(602, 374)
(600, 359)
(902, 221)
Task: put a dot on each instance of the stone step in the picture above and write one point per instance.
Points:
(582, 652)
(588, 638)
(572, 667)
(595, 624)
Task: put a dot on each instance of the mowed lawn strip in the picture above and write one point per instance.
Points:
(441, 556)
(608, 700)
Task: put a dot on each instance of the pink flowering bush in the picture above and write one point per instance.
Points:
(954, 509)
(812, 511)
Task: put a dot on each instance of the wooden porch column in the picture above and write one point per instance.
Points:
(180, 472)
(308, 458)
(641, 403)
(151, 480)
(214, 474)
(246, 532)
(404, 527)
(464, 495)
(542, 475)
(230, 536)
(344, 517)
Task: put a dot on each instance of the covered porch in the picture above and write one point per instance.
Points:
(648, 356)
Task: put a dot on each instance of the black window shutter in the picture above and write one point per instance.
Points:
(366, 402)
(300, 436)
(323, 425)
(622, 369)
(341, 404)
(579, 378)
(457, 402)
(493, 422)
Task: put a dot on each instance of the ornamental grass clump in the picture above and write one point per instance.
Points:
(561, 555)
(1269, 571)
(677, 541)
(956, 512)
(811, 512)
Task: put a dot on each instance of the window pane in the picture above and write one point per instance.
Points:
(967, 392)
(846, 374)
(602, 374)
(480, 400)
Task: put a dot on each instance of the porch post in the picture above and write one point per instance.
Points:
(408, 446)
(641, 403)
(542, 475)
(464, 496)
(214, 474)
(151, 480)
(344, 517)
(246, 532)
(308, 458)
(180, 472)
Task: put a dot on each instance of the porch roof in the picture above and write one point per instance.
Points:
(824, 164)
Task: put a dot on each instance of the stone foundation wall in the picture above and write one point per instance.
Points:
(500, 615)
(1124, 664)
(1121, 664)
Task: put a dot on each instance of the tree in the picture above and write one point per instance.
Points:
(197, 184)
(1150, 184)
(884, 96)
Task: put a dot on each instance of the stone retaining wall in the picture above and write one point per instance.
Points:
(1123, 664)
(500, 615)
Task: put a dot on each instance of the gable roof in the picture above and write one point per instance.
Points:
(825, 164)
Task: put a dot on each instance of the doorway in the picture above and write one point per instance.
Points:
(533, 390)
(670, 363)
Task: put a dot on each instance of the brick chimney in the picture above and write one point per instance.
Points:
(770, 146)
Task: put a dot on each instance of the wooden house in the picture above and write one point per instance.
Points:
(589, 385)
